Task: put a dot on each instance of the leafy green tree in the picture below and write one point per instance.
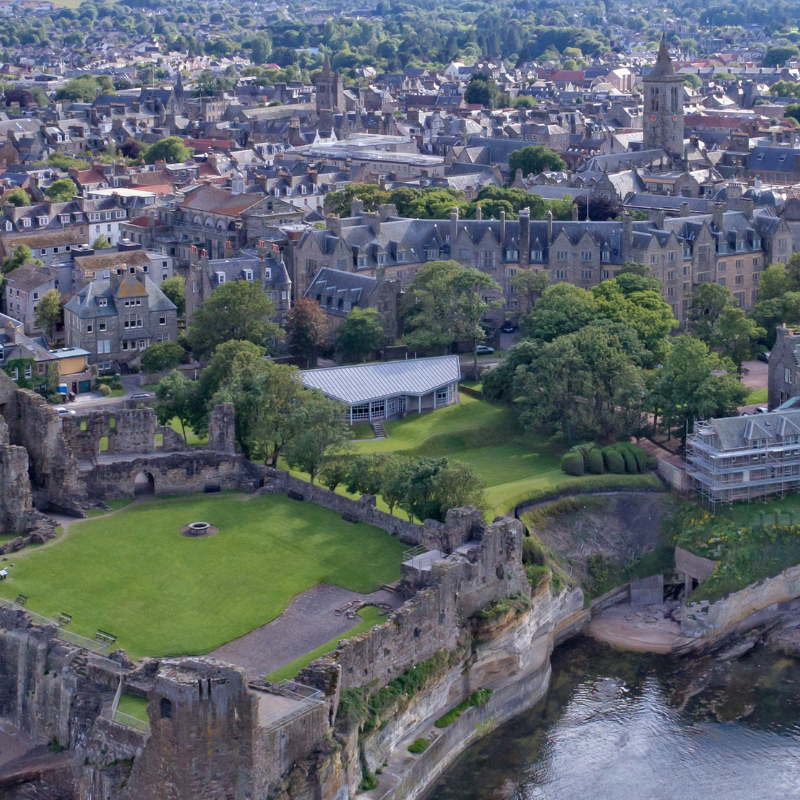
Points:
(260, 48)
(369, 193)
(735, 335)
(236, 310)
(456, 486)
(161, 356)
(706, 304)
(21, 255)
(530, 285)
(561, 309)
(482, 89)
(307, 330)
(498, 383)
(395, 475)
(419, 500)
(585, 383)
(360, 334)
(101, 243)
(171, 150)
(61, 191)
(446, 303)
(18, 197)
(175, 398)
(365, 473)
(692, 81)
(81, 89)
(696, 384)
(49, 313)
(333, 473)
(533, 159)
(229, 361)
(776, 55)
(175, 290)
(320, 433)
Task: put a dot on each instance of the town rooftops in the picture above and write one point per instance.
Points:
(364, 382)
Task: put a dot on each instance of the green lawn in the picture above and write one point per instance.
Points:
(757, 396)
(363, 431)
(517, 466)
(161, 593)
(369, 618)
(192, 439)
(133, 706)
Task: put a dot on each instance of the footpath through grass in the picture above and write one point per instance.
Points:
(133, 574)
(370, 616)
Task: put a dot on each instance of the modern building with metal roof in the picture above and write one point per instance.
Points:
(390, 388)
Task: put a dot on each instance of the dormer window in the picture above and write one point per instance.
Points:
(220, 277)
(102, 302)
(268, 274)
(512, 255)
(381, 258)
(43, 220)
(26, 222)
(537, 255)
(402, 256)
(9, 225)
(248, 274)
(757, 243)
(64, 219)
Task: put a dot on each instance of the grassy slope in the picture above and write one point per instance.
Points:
(369, 618)
(133, 706)
(161, 593)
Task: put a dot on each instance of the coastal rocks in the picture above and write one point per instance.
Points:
(708, 627)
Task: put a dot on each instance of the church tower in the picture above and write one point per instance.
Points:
(330, 93)
(663, 106)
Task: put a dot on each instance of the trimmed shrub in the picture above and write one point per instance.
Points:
(572, 464)
(594, 462)
(631, 466)
(419, 746)
(104, 389)
(615, 464)
(640, 456)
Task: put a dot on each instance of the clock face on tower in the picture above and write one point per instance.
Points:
(653, 118)
(675, 118)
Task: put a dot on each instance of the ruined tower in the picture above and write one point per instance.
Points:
(663, 106)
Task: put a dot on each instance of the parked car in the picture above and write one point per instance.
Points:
(65, 412)
(763, 357)
(141, 395)
(508, 327)
(762, 410)
(484, 350)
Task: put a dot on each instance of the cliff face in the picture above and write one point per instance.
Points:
(706, 627)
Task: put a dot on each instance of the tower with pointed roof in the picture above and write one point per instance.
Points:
(663, 106)
(330, 93)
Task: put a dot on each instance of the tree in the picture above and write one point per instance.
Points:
(161, 356)
(49, 313)
(692, 81)
(307, 329)
(61, 191)
(498, 383)
(101, 243)
(530, 285)
(736, 335)
(18, 197)
(706, 304)
(175, 290)
(775, 56)
(260, 48)
(446, 303)
(22, 255)
(175, 398)
(320, 434)
(561, 309)
(360, 334)
(80, 89)
(132, 149)
(237, 310)
(482, 89)
(533, 159)
(419, 500)
(394, 480)
(585, 383)
(697, 384)
(171, 150)
(333, 473)
(456, 486)
(365, 473)
(230, 361)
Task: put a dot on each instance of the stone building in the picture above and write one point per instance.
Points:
(24, 288)
(784, 367)
(663, 106)
(118, 317)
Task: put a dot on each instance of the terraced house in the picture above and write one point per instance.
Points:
(728, 247)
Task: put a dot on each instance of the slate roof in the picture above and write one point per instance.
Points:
(738, 432)
(364, 382)
(220, 201)
(339, 285)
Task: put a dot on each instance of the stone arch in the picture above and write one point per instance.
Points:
(144, 483)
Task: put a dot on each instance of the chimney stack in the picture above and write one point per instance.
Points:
(684, 210)
(549, 228)
(478, 212)
(627, 235)
(718, 211)
(453, 228)
(503, 230)
(525, 236)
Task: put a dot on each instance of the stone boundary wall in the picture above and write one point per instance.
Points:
(706, 627)
(193, 471)
(279, 481)
(672, 475)
(453, 590)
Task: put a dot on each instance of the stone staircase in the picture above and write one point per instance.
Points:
(380, 433)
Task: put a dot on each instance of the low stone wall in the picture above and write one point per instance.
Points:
(180, 473)
(706, 626)
(279, 481)
(672, 475)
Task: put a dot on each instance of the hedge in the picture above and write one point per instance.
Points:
(631, 467)
(572, 464)
(615, 464)
(594, 462)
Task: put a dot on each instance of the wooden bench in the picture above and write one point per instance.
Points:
(64, 619)
(105, 637)
(21, 600)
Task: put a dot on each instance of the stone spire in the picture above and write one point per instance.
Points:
(663, 67)
(326, 66)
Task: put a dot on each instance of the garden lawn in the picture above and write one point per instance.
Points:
(517, 466)
(160, 593)
(370, 616)
(757, 396)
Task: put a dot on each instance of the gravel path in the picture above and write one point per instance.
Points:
(309, 621)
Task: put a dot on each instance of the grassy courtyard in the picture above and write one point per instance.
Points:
(160, 593)
(517, 466)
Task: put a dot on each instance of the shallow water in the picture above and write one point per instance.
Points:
(631, 726)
